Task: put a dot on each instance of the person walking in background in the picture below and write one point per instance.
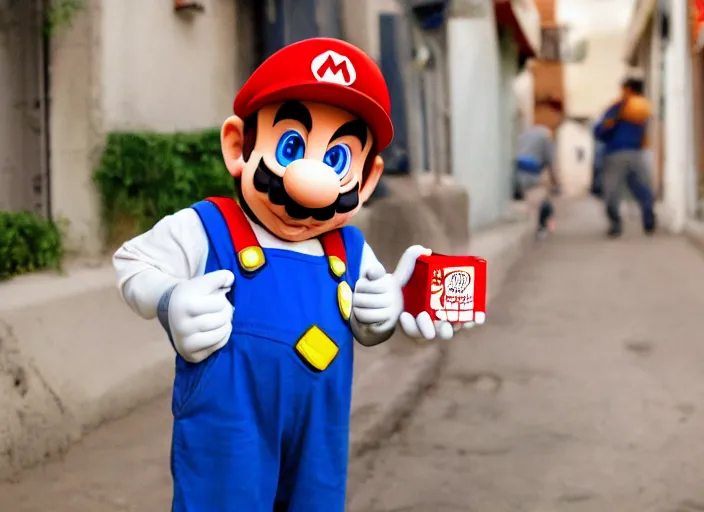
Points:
(536, 153)
(623, 132)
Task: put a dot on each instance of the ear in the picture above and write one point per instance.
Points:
(372, 179)
(231, 139)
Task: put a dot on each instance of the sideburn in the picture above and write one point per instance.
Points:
(249, 141)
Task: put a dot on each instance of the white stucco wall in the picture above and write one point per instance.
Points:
(474, 64)
(361, 22)
(679, 175)
(592, 84)
(75, 129)
(165, 71)
(575, 175)
(131, 65)
(524, 91)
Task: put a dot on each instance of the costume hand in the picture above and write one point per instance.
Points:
(377, 301)
(200, 316)
(423, 327)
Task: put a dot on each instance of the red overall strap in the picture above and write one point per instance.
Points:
(334, 248)
(249, 253)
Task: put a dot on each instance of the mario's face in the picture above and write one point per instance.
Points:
(302, 168)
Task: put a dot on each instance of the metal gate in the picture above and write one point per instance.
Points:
(23, 154)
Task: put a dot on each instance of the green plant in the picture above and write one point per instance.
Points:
(28, 243)
(143, 177)
(60, 14)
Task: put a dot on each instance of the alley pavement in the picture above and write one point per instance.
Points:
(583, 392)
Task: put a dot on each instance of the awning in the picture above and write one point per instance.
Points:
(636, 29)
(523, 19)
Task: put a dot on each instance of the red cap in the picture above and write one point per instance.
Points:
(327, 71)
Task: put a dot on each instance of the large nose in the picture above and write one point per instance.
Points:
(311, 183)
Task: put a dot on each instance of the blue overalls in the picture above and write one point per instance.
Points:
(257, 427)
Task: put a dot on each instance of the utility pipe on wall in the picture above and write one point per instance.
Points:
(679, 168)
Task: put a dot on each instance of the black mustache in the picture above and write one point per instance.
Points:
(266, 182)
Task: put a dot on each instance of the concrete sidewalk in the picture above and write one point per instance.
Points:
(584, 392)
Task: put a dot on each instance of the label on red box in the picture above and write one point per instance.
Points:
(448, 288)
(452, 294)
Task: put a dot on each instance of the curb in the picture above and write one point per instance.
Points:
(390, 392)
(694, 231)
(393, 393)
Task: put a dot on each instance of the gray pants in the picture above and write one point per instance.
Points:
(628, 169)
(527, 180)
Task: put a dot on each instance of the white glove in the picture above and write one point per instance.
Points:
(200, 316)
(377, 301)
(422, 327)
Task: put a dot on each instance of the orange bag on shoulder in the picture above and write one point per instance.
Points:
(636, 110)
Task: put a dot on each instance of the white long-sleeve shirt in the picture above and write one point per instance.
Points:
(176, 249)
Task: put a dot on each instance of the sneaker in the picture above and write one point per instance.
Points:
(542, 234)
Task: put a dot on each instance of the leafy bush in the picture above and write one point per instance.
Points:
(28, 243)
(60, 14)
(143, 177)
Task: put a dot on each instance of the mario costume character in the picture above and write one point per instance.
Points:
(262, 299)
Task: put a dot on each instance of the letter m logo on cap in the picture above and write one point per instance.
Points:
(332, 67)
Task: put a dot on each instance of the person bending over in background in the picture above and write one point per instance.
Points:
(535, 154)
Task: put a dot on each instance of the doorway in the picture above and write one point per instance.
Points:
(24, 176)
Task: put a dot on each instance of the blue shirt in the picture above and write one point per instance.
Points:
(623, 136)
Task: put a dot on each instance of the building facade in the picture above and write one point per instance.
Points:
(23, 108)
(645, 50)
(486, 42)
(129, 65)
(547, 69)
(696, 25)
(175, 66)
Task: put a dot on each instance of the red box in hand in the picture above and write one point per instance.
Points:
(449, 288)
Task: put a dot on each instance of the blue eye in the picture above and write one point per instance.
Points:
(339, 158)
(290, 148)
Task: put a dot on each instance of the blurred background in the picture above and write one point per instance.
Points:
(109, 120)
(76, 72)
(79, 76)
